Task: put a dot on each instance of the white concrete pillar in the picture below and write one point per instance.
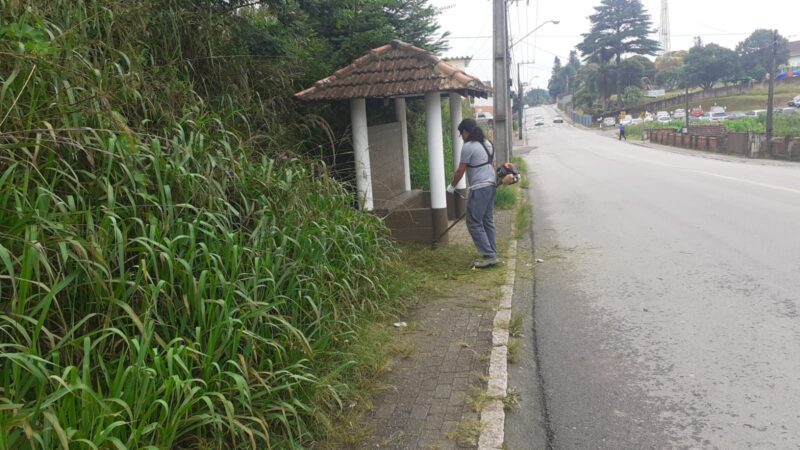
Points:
(455, 118)
(358, 117)
(400, 116)
(433, 113)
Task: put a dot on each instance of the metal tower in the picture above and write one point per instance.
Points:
(664, 30)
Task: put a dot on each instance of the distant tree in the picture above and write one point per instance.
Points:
(352, 28)
(672, 59)
(706, 65)
(755, 53)
(619, 27)
(632, 95)
(631, 72)
(648, 67)
(536, 97)
(555, 86)
(669, 78)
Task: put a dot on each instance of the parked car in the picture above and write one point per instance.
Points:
(558, 119)
(755, 112)
(787, 110)
(663, 117)
(637, 121)
(679, 113)
(538, 121)
(736, 115)
(609, 122)
(626, 120)
(717, 116)
(648, 117)
(484, 115)
(795, 101)
(717, 109)
(697, 112)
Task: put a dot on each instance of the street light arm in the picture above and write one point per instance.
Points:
(554, 22)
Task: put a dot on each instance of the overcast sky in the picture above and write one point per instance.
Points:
(725, 22)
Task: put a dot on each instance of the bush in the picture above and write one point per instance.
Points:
(171, 275)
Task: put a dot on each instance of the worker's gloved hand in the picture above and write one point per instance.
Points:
(451, 188)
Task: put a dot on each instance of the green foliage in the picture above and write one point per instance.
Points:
(670, 78)
(619, 27)
(755, 52)
(782, 126)
(172, 273)
(708, 64)
(536, 97)
(632, 95)
(506, 197)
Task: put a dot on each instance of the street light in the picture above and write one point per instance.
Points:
(554, 22)
(519, 83)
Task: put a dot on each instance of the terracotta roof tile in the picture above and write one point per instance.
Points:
(395, 69)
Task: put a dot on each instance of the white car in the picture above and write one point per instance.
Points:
(538, 121)
(663, 117)
(679, 113)
(609, 122)
(558, 119)
(637, 121)
(717, 115)
(626, 120)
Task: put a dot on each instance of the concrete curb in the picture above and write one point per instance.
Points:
(493, 416)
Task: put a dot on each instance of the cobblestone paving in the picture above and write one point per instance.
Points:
(425, 398)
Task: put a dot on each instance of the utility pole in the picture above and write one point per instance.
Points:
(686, 98)
(500, 50)
(771, 91)
(521, 101)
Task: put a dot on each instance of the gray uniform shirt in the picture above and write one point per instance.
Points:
(473, 154)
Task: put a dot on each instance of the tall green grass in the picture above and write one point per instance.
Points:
(171, 276)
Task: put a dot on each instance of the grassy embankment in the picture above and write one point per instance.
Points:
(172, 275)
(752, 99)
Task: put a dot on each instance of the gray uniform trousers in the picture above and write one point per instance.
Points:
(480, 220)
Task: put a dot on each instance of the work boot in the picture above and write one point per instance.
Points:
(485, 262)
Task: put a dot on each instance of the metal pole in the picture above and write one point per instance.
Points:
(686, 98)
(771, 91)
(521, 102)
(500, 81)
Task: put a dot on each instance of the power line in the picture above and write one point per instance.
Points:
(580, 35)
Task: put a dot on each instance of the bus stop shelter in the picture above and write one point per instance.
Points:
(400, 72)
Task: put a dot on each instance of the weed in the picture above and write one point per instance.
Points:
(477, 398)
(515, 325)
(466, 433)
(514, 347)
(512, 399)
(506, 197)
(403, 348)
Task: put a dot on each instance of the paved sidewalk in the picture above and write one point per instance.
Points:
(426, 403)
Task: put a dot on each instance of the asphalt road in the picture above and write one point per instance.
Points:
(666, 308)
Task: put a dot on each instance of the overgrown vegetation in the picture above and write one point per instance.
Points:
(785, 125)
(173, 272)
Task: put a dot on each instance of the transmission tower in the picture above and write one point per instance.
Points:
(664, 31)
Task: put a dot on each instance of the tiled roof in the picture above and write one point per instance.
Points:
(394, 70)
(794, 49)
